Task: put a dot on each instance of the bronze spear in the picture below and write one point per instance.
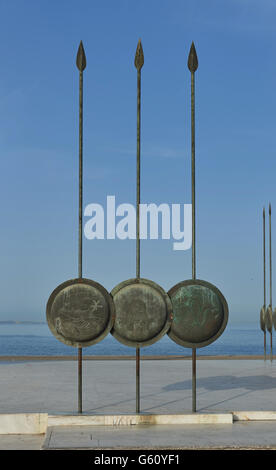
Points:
(81, 64)
(193, 65)
(138, 62)
(269, 308)
(263, 309)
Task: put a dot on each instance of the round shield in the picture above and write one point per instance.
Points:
(200, 313)
(80, 312)
(269, 319)
(262, 319)
(143, 312)
(274, 318)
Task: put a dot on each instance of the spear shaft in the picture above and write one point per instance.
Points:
(138, 167)
(193, 173)
(80, 224)
(138, 225)
(264, 257)
(138, 62)
(80, 170)
(193, 225)
(264, 307)
(193, 65)
(270, 282)
(270, 259)
(81, 64)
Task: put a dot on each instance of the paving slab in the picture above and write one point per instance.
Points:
(241, 435)
(22, 442)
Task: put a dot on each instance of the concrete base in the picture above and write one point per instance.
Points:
(24, 423)
(254, 415)
(37, 423)
(130, 420)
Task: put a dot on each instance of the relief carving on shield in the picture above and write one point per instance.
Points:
(80, 312)
(200, 313)
(143, 312)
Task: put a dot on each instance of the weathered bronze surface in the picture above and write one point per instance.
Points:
(274, 318)
(139, 56)
(81, 58)
(262, 319)
(80, 312)
(192, 59)
(268, 319)
(143, 312)
(200, 313)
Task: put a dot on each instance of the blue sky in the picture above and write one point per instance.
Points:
(235, 141)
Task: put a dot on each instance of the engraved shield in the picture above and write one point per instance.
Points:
(143, 312)
(80, 312)
(200, 313)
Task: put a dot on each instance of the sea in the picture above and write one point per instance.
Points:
(35, 339)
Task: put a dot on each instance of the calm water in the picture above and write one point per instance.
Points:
(28, 340)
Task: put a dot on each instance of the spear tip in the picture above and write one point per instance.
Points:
(192, 59)
(269, 209)
(81, 59)
(139, 56)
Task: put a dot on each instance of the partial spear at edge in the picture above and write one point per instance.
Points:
(273, 311)
(138, 62)
(81, 64)
(269, 309)
(192, 66)
(263, 309)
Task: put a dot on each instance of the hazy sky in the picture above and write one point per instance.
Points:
(235, 141)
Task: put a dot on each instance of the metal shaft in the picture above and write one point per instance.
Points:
(80, 380)
(138, 62)
(137, 380)
(192, 65)
(264, 265)
(80, 170)
(138, 225)
(270, 259)
(194, 380)
(80, 224)
(193, 226)
(138, 166)
(270, 281)
(81, 64)
(193, 174)
(264, 258)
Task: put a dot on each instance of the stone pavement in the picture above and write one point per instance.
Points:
(109, 388)
(206, 436)
(22, 442)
